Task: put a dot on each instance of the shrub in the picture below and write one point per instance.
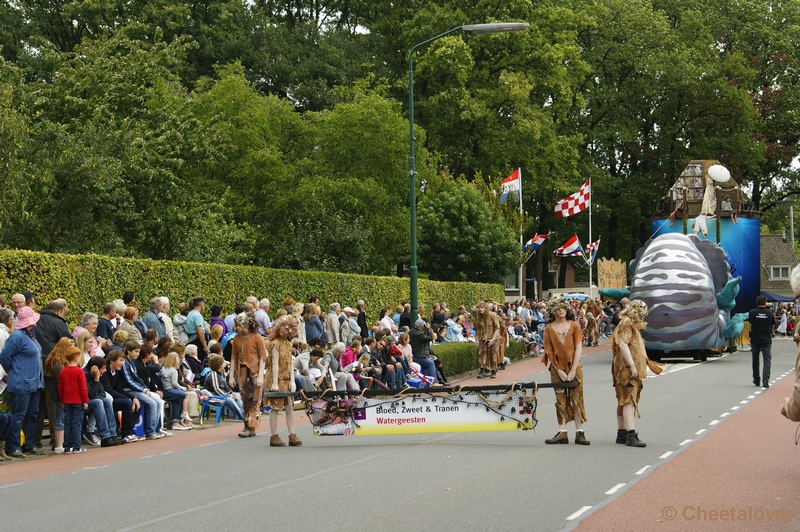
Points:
(87, 282)
(462, 357)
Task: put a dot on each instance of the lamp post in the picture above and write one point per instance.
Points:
(479, 29)
(791, 203)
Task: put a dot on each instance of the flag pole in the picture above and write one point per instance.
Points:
(521, 243)
(591, 294)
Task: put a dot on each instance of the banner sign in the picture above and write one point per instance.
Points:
(611, 274)
(413, 411)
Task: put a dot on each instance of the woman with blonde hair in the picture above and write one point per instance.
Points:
(215, 334)
(297, 312)
(89, 322)
(404, 343)
(177, 395)
(628, 368)
(55, 362)
(119, 339)
(85, 342)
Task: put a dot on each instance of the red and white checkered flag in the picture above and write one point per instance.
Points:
(574, 203)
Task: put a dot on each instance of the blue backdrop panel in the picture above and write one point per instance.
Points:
(742, 245)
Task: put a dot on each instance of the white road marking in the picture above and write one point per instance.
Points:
(743, 402)
(714, 422)
(684, 442)
(578, 513)
(726, 414)
(758, 392)
(270, 487)
(665, 455)
(614, 489)
(735, 408)
(699, 432)
(751, 396)
(642, 470)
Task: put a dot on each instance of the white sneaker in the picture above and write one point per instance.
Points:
(78, 451)
(164, 432)
(58, 450)
(155, 436)
(179, 426)
(186, 417)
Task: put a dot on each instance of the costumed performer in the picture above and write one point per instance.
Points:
(281, 379)
(248, 360)
(488, 331)
(563, 345)
(628, 369)
(791, 405)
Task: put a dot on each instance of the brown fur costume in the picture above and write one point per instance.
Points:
(591, 330)
(488, 329)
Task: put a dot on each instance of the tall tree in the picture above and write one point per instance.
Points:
(459, 237)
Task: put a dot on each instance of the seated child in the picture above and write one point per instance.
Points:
(177, 396)
(217, 384)
(101, 404)
(725, 206)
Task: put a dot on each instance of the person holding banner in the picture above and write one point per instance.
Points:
(248, 360)
(563, 345)
(281, 379)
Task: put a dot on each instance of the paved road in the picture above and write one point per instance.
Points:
(460, 481)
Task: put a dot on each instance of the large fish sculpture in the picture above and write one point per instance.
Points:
(687, 285)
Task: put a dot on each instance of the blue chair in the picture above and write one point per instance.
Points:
(213, 402)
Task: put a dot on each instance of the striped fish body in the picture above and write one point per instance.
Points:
(674, 279)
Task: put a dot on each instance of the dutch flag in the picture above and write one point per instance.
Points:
(511, 184)
(571, 248)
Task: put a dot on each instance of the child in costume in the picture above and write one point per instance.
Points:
(280, 377)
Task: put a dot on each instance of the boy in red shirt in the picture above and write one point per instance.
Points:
(75, 398)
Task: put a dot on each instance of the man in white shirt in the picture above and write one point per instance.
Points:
(262, 318)
(163, 315)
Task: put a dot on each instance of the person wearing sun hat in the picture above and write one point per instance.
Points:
(22, 359)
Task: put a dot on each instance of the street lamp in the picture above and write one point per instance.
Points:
(480, 29)
(791, 203)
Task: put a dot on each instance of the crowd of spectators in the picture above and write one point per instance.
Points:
(163, 366)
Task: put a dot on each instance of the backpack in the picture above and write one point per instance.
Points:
(182, 336)
(345, 335)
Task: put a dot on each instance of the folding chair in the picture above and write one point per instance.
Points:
(213, 401)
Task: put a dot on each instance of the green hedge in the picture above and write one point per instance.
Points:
(460, 358)
(87, 282)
